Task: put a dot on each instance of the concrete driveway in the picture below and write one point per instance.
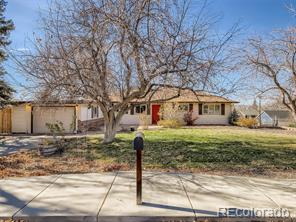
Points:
(166, 197)
(13, 144)
(16, 143)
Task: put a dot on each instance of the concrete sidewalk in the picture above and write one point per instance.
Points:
(167, 197)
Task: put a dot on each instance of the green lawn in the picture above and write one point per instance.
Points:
(204, 149)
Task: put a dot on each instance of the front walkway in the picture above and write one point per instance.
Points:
(111, 197)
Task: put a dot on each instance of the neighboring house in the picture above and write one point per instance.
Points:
(246, 111)
(268, 117)
(31, 117)
(265, 120)
(209, 109)
(276, 117)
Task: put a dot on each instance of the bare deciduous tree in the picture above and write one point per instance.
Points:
(115, 51)
(273, 61)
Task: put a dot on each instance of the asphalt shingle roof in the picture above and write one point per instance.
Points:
(183, 95)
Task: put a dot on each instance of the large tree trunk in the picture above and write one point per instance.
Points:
(111, 122)
(294, 115)
(291, 106)
(109, 132)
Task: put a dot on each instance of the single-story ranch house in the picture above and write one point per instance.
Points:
(79, 115)
(210, 109)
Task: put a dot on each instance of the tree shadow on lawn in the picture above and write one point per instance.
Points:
(229, 155)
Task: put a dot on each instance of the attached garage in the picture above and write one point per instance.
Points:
(31, 117)
(51, 114)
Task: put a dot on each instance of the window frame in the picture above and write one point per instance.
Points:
(183, 105)
(94, 112)
(139, 109)
(207, 109)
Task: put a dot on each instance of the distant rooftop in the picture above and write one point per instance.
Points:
(247, 110)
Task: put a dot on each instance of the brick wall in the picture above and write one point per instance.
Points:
(90, 125)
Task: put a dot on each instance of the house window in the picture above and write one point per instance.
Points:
(143, 108)
(140, 108)
(212, 109)
(183, 107)
(94, 112)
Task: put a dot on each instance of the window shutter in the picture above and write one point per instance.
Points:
(148, 109)
(132, 110)
(223, 109)
(200, 109)
(190, 107)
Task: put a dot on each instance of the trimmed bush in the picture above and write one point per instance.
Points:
(169, 123)
(234, 117)
(247, 122)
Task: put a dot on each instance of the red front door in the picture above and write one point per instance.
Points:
(155, 111)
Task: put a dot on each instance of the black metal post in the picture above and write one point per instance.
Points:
(138, 145)
(139, 177)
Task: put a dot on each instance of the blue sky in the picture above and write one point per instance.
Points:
(256, 16)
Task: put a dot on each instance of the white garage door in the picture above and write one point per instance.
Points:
(20, 119)
(43, 115)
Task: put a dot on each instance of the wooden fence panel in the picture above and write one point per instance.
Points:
(5, 120)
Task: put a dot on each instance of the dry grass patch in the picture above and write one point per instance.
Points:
(31, 164)
(223, 151)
